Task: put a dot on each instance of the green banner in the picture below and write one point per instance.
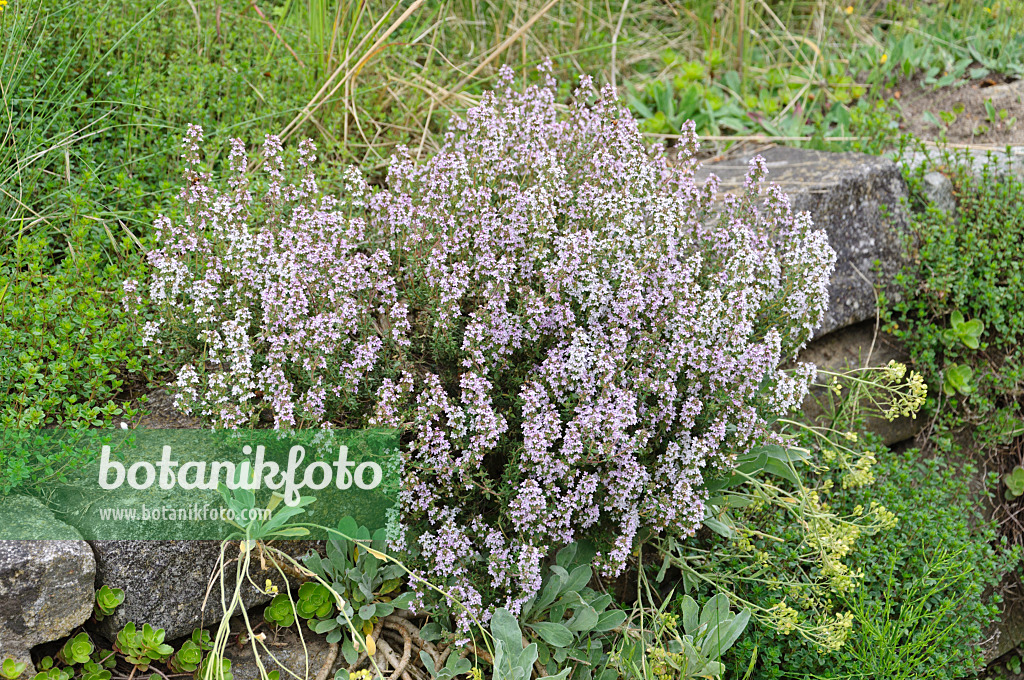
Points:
(203, 484)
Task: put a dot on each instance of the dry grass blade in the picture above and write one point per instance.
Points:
(505, 44)
(333, 84)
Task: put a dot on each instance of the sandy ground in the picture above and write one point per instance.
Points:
(967, 119)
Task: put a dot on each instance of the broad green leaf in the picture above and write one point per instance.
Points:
(555, 634)
(609, 620)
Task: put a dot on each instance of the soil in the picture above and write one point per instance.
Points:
(161, 414)
(973, 122)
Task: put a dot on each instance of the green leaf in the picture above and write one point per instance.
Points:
(715, 611)
(958, 379)
(431, 632)
(579, 578)
(609, 620)
(348, 650)
(567, 555)
(583, 620)
(780, 469)
(505, 628)
(426, 659)
(723, 637)
(719, 527)
(555, 634)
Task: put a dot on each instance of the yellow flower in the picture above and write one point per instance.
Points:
(269, 588)
(885, 58)
(849, 9)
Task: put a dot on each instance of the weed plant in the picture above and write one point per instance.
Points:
(960, 310)
(917, 597)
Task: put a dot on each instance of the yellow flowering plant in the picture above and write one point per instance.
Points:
(773, 525)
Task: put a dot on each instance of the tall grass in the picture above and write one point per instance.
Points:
(47, 110)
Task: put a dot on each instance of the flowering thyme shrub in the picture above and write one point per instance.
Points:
(570, 338)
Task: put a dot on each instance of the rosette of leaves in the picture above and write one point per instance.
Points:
(315, 601)
(967, 332)
(142, 647)
(1014, 483)
(280, 611)
(107, 600)
(94, 671)
(358, 570)
(47, 671)
(217, 669)
(190, 656)
(104, 658)
(10, 669)
(242, 503)
(54, 674)
(958, 378)
(77, 650)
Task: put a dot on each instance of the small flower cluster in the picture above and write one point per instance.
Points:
(568, 331)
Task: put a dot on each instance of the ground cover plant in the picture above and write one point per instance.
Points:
(506, 318)
(960, 310)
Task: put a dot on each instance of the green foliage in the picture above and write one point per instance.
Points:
(967, 332)
(76, 650)
(454, 666)
(959, 309)
(258, 526)
(513, 660)
(695, 652)
(107, 600)
(280, 611)
(928, 579)
(190, 656)
(62, 325)
(315, 601)
(104, 658)
(48, 671)
(569, 623)
(55, 674)
(359, 572)
(901, 628)
(215, 670)
(568, 620)
(95, 671)
(142, 647)
(1014, 483)
(10, 670)
(958, 379)
(720, 104)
